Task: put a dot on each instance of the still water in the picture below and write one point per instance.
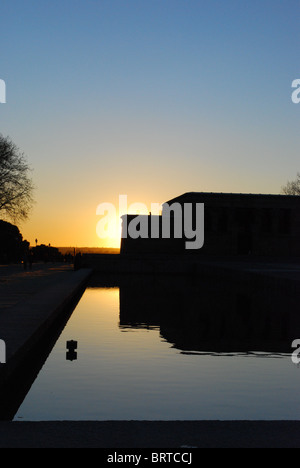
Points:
(134, 364)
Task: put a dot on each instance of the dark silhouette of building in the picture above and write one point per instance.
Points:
(46, 253)
(234, 224)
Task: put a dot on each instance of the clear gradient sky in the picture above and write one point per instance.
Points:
(148, 98)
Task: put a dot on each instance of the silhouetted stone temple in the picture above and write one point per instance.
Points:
(234, 224)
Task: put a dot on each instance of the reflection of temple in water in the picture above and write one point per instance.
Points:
(206, 316)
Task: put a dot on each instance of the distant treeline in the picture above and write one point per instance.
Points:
(12, 245)
(14, 249)
(88, 250)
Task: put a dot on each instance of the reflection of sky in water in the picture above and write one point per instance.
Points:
(132, 373)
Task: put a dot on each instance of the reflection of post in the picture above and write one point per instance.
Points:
(2, 352)
(71, 354)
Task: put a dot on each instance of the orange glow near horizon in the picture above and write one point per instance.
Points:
(74, 222)
(78, 227)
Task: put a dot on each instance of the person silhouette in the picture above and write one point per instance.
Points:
(25, 259)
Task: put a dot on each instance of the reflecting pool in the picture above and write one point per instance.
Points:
(153, 349)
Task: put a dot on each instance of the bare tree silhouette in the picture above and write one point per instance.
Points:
(292, 187)
(16, 187)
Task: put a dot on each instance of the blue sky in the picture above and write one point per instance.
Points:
(148, 98)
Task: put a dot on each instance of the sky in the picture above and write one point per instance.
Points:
(148, 99)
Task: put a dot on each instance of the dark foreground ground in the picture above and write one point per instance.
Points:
(148, 434)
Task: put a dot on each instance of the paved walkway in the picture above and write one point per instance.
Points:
(30, 301)
(17, 284)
